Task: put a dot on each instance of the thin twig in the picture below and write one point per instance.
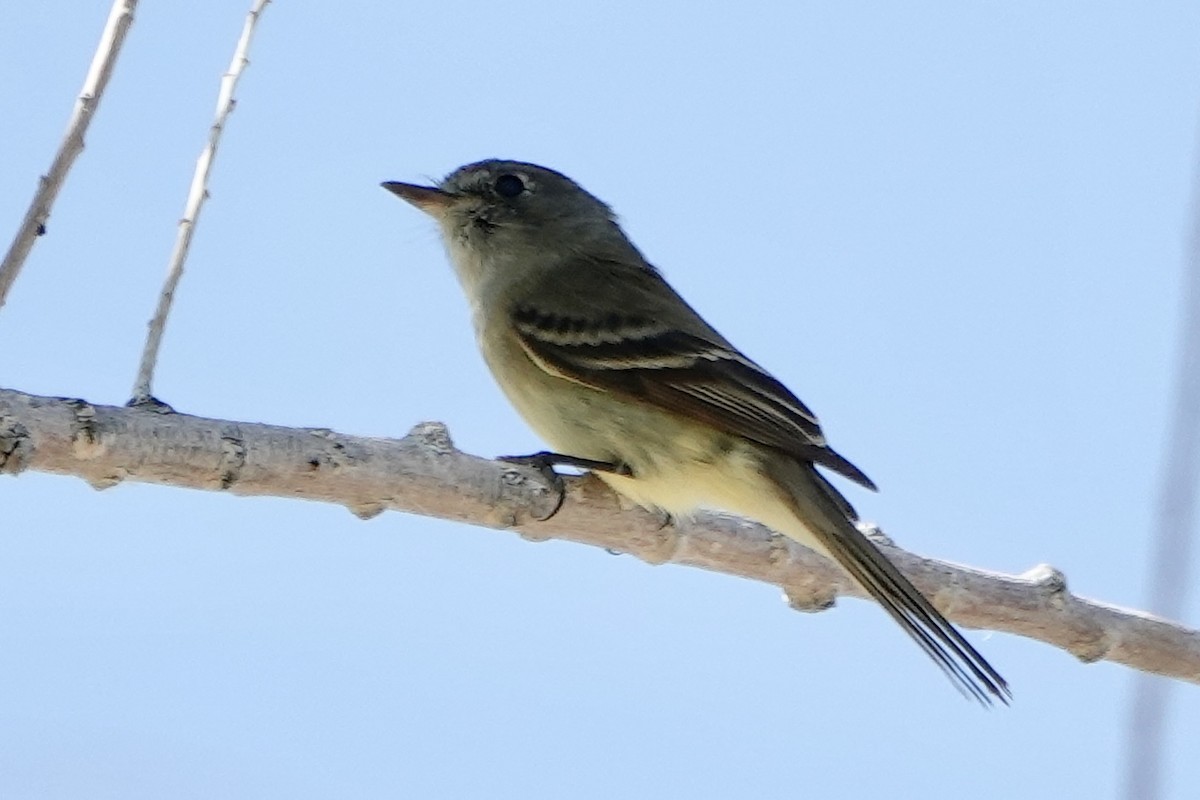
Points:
(197, 194)
(1175, 527)
(34, 223)
(424, 473)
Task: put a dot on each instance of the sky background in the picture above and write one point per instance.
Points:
(954, 231)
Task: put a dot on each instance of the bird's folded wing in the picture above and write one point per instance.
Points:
(688, 373)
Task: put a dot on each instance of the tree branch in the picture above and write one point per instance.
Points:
(34, 223)
(197, 194)
(424, 474)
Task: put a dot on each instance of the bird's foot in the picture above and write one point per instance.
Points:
(545, 462)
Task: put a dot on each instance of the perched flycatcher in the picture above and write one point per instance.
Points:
(617, 372)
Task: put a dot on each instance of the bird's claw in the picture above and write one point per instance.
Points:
(545, 462)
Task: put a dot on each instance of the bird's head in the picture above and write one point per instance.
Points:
(501, 210)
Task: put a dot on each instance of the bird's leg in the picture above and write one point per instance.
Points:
(545, 461)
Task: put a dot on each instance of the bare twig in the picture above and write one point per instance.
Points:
(34, 223)
(197, 194)
(423, 473)
(1175, 527)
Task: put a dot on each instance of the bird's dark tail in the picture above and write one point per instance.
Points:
(830, 519)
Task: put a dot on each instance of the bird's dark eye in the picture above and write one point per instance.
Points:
(509, 185)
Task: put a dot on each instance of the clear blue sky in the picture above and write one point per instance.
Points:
(955, 231)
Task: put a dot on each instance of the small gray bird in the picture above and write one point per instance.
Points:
(610, 366)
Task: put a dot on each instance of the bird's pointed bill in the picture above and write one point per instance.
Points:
(430, 199)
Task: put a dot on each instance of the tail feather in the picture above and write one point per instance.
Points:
(830, 518)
